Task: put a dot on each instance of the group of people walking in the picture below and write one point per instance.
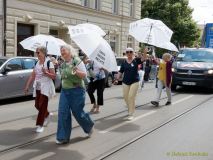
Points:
(72, 98)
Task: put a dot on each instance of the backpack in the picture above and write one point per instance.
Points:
(48, 67)
(48, 64)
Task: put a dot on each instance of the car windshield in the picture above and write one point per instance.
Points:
(120, 61)
(2, 61)
(196, 56)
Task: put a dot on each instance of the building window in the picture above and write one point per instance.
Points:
(130, 42)
(97, 5)
(85, 3)
(115, 6)
(54, 33)
(131, 8)
(24, 31)
(114, 43)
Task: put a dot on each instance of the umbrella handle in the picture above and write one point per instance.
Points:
(149, 33)
(73, 72)
(46, 47)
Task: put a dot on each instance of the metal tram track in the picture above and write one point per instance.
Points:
(54, 111)
(141, 136)
(31, 142)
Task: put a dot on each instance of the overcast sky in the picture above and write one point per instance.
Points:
(203, 10)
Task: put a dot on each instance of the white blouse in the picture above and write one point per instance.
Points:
(42, 82)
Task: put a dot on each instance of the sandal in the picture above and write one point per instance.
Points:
(97, 110)
(93, 109)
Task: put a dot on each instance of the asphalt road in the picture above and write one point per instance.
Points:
(166, 132)
(188, 137)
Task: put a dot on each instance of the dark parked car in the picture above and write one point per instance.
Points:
(14, 73)
(193, 67)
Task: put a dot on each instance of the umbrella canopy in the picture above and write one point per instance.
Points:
(53, 44)
(93, 28)
(94, 46)
(104, 55)
(169, 46)
(150, 31)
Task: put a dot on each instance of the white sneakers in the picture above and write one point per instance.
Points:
(39, 129)
(61, 142)
(91, 132)
(130, 117)
(47, 120)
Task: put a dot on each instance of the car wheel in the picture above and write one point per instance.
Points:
(109, 81)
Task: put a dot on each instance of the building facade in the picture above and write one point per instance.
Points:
(30, 17)
(1, 28)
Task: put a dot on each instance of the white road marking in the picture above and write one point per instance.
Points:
(43, 156)
(183, 99)
(126, 122)
(141, 116)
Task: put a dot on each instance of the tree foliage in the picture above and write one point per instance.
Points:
(177, 15)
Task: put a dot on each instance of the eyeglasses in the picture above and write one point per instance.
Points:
(129, 52)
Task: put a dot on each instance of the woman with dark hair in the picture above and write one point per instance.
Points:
(44, 89)
(96, 82)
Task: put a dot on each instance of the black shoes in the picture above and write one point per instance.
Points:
(156, 104)
(168, 103)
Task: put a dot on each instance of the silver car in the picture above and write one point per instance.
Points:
(14, 73)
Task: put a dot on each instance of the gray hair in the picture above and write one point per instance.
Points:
(70, 49)
(42, 49)
(167, 55)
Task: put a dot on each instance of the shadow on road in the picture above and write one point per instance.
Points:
(107, 123)
(14, 137)
(16, 100)
(194, 90)
(50, 151)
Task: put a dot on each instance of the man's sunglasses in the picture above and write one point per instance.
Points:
(129, 52)
(37, 52)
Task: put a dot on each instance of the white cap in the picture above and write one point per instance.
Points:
(129, 49)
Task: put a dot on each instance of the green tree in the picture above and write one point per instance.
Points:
(177, 15)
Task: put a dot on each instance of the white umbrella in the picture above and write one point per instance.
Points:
(150, 31)
(53, 44)
(93, 28)
(94, 46)
(104, 55)
(169, 46)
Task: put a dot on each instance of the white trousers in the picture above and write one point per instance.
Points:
(161, 85)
